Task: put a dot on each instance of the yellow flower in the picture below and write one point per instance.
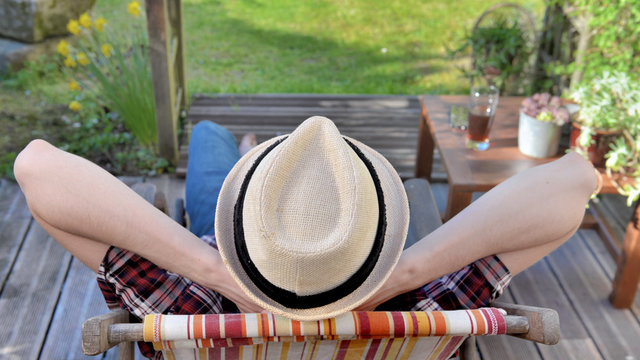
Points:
(100, 23)
(83, 59)
(75, 106)
(63, 48)
(134, 8)
(85, 20)
(106, 50)
(74, 27)
(69, 62)
(73, 85)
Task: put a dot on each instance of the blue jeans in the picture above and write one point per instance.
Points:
(212, 153)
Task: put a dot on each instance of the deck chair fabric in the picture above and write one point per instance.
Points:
(360, 335)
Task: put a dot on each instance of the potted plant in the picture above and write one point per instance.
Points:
(608, 123)
(540, 126)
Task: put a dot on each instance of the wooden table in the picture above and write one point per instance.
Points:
(471, 171)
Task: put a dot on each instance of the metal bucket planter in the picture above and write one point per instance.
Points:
(536, 138)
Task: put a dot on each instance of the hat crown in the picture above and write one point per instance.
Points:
(311, 211)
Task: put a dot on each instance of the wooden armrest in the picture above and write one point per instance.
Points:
(150, 193)
(95, 331)
(424, 213)
(544, 323)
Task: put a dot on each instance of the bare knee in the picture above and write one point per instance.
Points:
(29, 163)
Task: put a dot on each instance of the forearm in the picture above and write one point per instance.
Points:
(79, 198)
(533, 209)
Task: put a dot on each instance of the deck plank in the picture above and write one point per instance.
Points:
(31, 293)
(80, 300)
(15, 218)
(597, 248)
(539, 286)
(614, 331)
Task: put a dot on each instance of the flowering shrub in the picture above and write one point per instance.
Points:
(114, 68)
(612, 102)
(545, 107)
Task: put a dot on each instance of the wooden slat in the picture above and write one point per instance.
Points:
(539, 286)
(386, 123)
(615, 332)
(14, 222)
(314, 100)
(608, 264)
(80, 299)
(30, 294)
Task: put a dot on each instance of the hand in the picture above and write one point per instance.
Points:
(394, 286)
(219, 279)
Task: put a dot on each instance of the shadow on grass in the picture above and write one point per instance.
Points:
(259, 60)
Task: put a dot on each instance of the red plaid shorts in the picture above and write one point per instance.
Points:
(135, 284)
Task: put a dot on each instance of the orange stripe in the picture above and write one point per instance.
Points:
(440, 323)
(378, 323)
(482, 327)
(295, 328)
(198, 330)
(244, 325)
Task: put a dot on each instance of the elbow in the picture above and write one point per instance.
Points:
(31, 161)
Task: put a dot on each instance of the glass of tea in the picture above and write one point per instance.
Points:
(483, 102)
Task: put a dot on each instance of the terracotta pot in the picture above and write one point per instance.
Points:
(599, 143)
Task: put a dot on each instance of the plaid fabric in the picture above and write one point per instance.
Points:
(131, 282)
(471, 287)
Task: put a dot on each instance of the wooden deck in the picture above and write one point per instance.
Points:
(45, 294)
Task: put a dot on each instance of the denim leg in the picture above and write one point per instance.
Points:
(212, 153)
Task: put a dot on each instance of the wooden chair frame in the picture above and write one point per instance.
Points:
(541, 325)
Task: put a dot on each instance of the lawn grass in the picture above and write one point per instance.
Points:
(330, 46)
(262, 46)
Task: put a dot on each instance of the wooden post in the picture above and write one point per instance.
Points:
(164, 25)
(176, 25)
(625, 283)
(424, 156)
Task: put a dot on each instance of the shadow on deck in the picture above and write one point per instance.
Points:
(45, 294)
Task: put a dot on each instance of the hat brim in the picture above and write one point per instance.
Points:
(397, 213)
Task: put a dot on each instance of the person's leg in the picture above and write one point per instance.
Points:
(212, 153)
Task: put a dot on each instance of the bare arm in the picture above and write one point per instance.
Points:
(521, 220)
(86, 210)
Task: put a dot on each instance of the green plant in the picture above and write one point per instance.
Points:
(116, 66)
(607, 38)
(104, 139)
(612, 102)
(500, 53)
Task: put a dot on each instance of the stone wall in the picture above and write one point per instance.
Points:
(35, 20)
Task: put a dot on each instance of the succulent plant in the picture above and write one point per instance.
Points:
(545, 107)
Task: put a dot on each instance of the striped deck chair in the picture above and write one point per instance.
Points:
(354, 335)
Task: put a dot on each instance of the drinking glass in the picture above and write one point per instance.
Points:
(483, 102)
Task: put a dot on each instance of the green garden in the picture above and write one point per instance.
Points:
(70, 97)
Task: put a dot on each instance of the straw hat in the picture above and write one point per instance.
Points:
(311, 224)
